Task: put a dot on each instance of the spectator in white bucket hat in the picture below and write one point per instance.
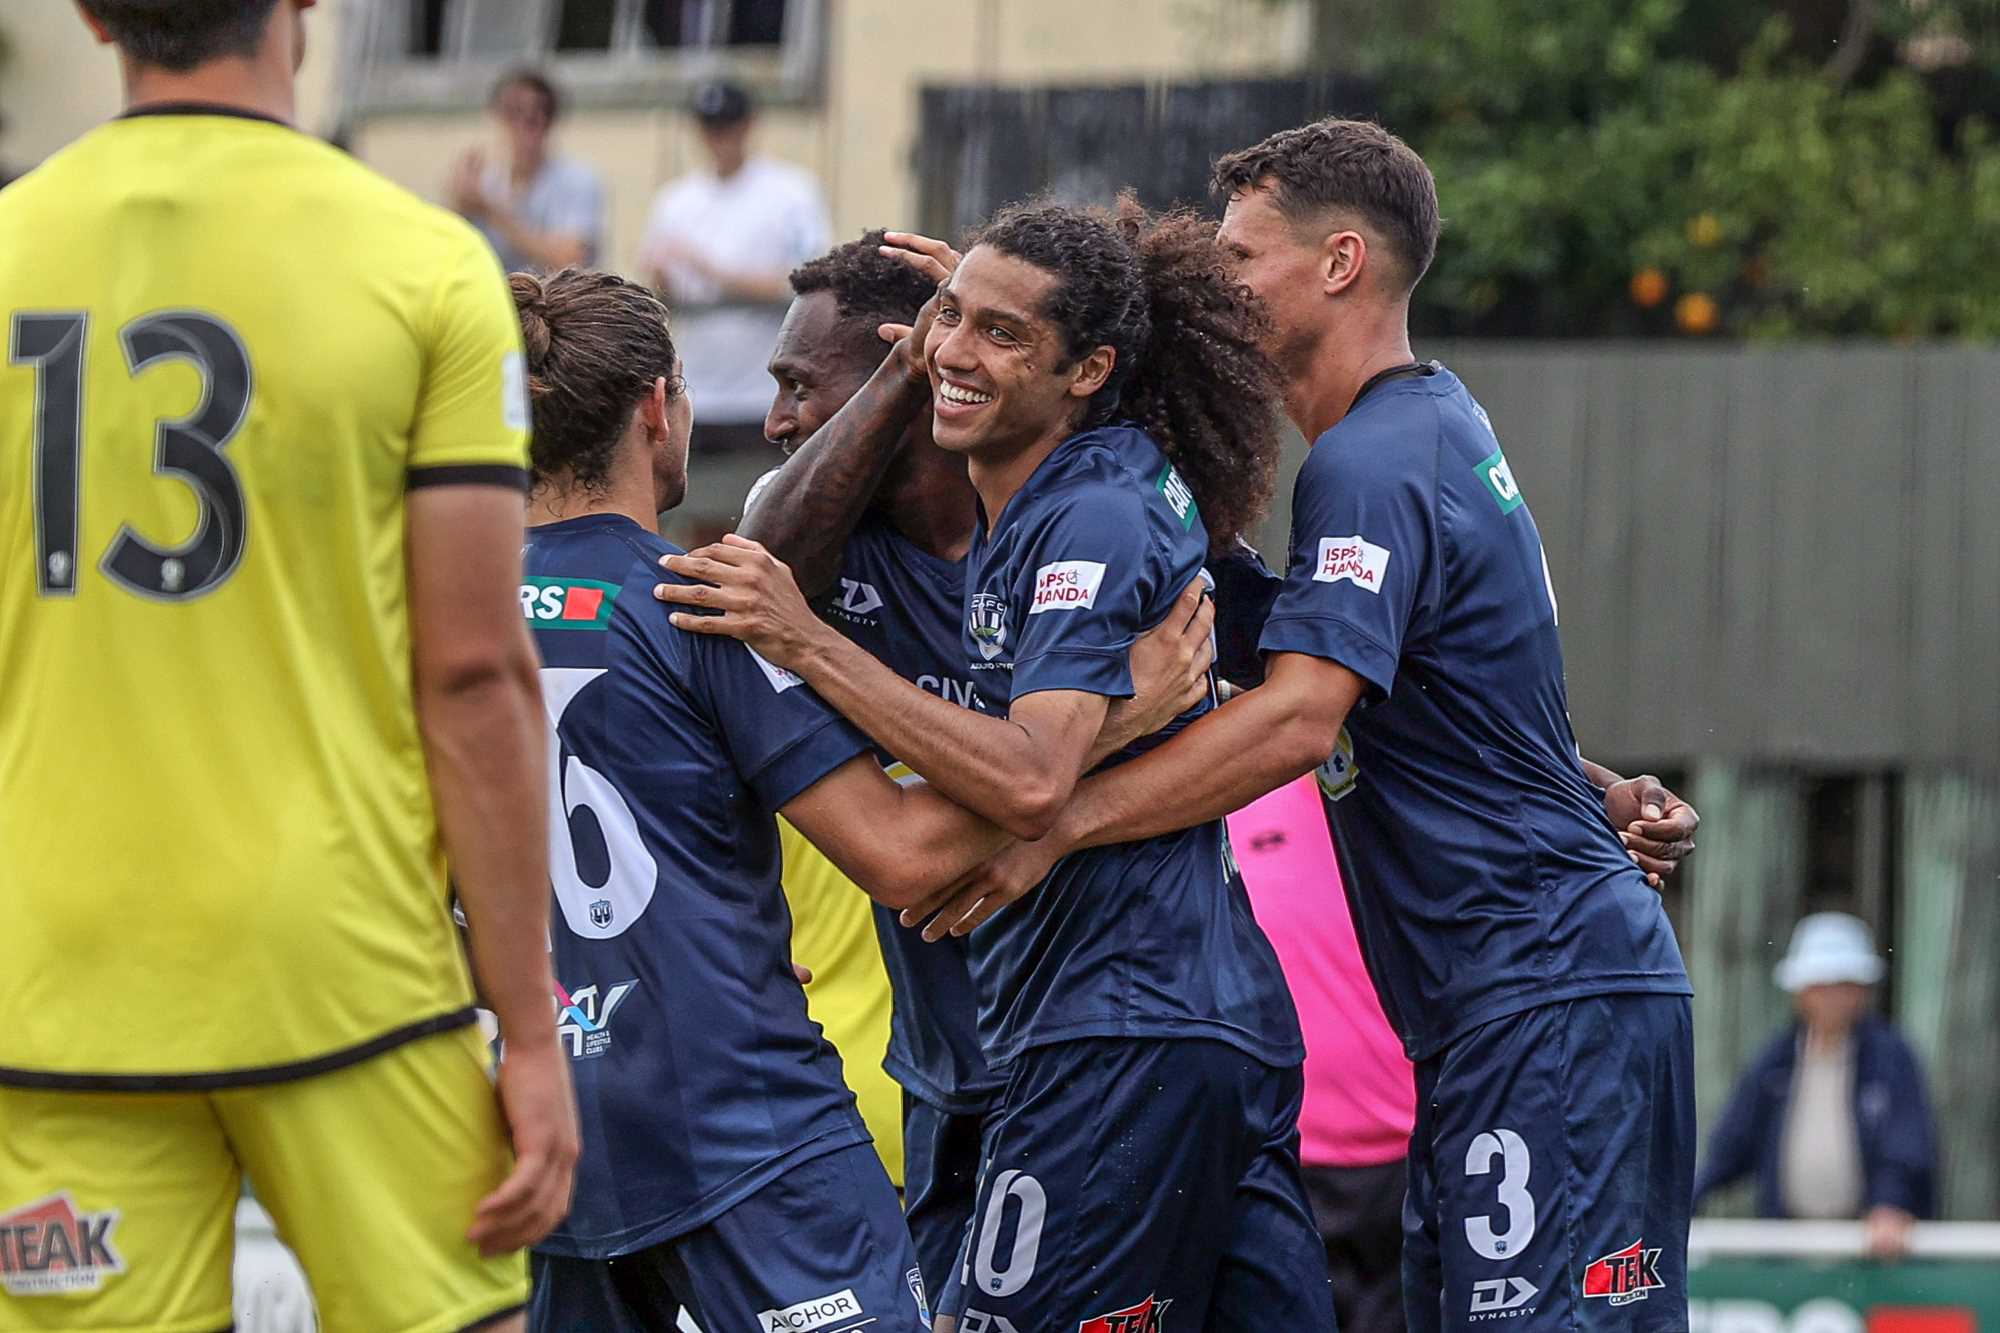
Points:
(1831, 1117)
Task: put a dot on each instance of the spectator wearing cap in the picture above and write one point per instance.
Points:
(720, 242)
(539, 211)
(1831, 1118)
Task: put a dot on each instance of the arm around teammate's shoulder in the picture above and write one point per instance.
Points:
(478, 700)
(900, 844)
(1257, 742)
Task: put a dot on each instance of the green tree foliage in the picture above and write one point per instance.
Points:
(1653, 166)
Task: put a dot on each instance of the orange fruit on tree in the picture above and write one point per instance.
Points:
(1697, 313)
(1649, 287)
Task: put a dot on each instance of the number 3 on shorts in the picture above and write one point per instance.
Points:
(1515, 1200)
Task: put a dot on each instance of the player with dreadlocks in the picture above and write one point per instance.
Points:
(1100, 374)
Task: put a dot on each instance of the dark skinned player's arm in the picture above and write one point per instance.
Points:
(1257, 742)
(898, 843)
(806, 511)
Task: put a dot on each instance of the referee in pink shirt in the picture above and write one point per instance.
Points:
(1360, 1097)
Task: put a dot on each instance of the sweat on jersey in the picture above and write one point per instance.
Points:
(1142, 939)
(1483, 875)
(699, 1077)
(902, 604)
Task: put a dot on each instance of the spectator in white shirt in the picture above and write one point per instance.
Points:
(540, 212)
(720, 243)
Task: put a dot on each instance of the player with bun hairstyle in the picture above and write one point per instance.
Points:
(715, 1113)
(1143, 1151)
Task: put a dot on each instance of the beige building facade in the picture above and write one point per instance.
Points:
(841, 90)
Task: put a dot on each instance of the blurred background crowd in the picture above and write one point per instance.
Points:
(1724, 275)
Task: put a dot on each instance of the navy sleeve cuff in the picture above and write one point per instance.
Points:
(807, 760)
(1336, 641)
(1106, 672)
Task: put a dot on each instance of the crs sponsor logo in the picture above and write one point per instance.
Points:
(980, 1321)
(858, 602)
(986, 619)
(568, 603)
(820, 1312)
(1065, 585)
(1502, 1298)
(1148, 1316)
(1353, 560)
(48, 1248)
(1630, 1274)
(583, 1018)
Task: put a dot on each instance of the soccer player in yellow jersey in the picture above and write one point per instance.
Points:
(262, 670)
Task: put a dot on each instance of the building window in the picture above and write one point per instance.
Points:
(444, 54)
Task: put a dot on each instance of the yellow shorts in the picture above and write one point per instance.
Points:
(117, 1210)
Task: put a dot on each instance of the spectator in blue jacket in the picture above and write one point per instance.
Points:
(1831, 1117)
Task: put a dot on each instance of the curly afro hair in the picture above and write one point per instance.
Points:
(869, 289)
(1189, 366)
(595, 344)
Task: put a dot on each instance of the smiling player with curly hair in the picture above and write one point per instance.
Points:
(1100, 374)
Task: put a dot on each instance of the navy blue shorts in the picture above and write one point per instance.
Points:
(1552, 1171)
(940, 1181)
(821, 1247)
(1126, 1177)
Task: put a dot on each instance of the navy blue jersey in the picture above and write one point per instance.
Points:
(698, 1075)
(1484, 876)
(1143, 939)
(902, 604)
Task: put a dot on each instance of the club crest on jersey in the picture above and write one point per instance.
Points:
(1148, 1316)
(48, 1248)
(600, 913)
(567, 603)
(583, 1018)
(1065, 585)
(1353, 560)
(987, 619)
(1338, 775)
(1499, 479)
(1631, 1274)
(915, 1277)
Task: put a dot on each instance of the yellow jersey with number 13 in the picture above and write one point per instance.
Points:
(231, 349)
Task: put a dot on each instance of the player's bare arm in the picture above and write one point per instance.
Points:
(1016, 771)
(805, 512)
(479, 706)
(898, 843)
(1253, 744)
